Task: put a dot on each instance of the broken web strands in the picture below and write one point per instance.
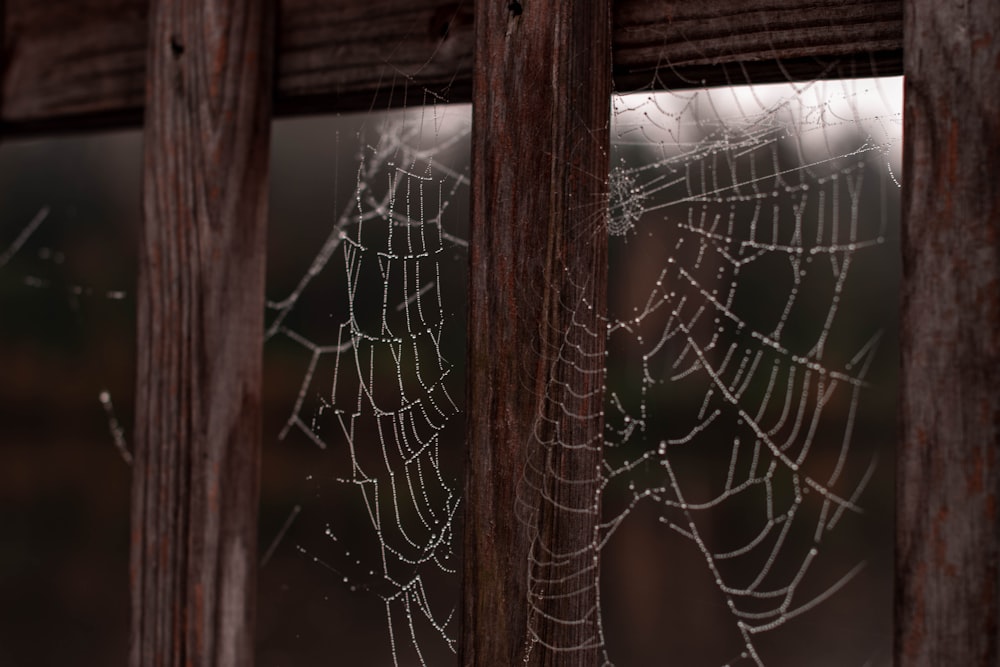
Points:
(747, 219)
(45, 260)
(23, 236)
(378, 392)
(46, 255)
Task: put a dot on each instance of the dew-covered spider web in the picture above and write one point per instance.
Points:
(751, 292)
(748, 394)
(375, 327)
(750, 333)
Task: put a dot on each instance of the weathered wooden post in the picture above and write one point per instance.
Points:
(948, 526)
(538, 257)
(200, 327)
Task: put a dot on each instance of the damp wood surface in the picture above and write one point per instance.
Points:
(78, 64)
(948, 469)
(199, 334)
(538, 259)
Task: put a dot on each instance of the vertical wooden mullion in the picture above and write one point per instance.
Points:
(538, 260)
(948, 528)
(3, 60)
(200, 329)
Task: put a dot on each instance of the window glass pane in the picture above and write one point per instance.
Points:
(750, 411)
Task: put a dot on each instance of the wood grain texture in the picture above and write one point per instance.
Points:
(722, 42)
(80, 63)
(200, 325)
(948, 535)
(538, 262)
(79, 60)
(381, 53)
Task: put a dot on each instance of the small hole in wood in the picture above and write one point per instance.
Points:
(515, 8)
(176, 47)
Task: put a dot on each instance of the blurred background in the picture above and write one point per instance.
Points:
(64, 486)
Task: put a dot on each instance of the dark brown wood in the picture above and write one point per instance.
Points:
(359, 53)
(73, 63)
(948, 532)
(200, 324)
(721, 42)
(3, 49)
(538, 258)
(81, 63)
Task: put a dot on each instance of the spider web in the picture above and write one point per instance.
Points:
(380, 320)
(748, 228)
(745, 227)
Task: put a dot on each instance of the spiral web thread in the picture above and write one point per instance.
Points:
(734, 374)
(379, 393)
(706, 186)
(737, 217)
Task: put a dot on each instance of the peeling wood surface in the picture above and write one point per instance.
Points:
(948, 531)
(538, 282)
(73, 64)
(200, 323)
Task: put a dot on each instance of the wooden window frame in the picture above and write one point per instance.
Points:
(206, 77)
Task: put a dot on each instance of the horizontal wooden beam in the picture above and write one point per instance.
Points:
(667, 43)
(76, 64)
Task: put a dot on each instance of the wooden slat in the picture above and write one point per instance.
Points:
(200, 324)
(3, 55)
(3, 44)
(538, 261)
(948, 531)
(720, 42)
(80, 63)
(355, 54)
(75, 63)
